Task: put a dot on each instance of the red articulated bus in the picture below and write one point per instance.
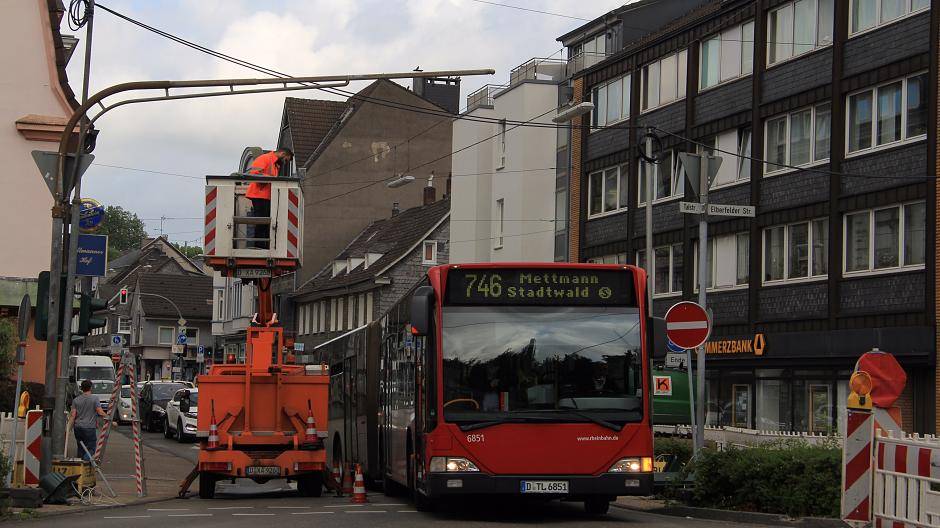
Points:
(509, 379)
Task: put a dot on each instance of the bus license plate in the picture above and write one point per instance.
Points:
(263, 471)
(544, 486)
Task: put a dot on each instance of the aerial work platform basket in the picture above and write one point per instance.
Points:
(235, 243)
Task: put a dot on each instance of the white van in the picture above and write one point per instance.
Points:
(98, 369)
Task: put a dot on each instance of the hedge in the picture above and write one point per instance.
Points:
(790, 478)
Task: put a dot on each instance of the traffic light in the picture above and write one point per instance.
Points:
(41, 322)
(87, 320)
(122, 298)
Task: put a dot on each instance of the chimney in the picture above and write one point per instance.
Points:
(430, 194)
(395, 209)
(442, 91)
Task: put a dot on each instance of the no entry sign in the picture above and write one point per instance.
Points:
(687, 324)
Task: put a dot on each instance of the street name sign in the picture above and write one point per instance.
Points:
(687, 324)
(717, 209)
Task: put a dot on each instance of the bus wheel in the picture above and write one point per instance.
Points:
(596, 505)
(206, 486)
(310, 485)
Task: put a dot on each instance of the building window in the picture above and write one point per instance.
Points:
(192, 336)
(736, 169)
(429, 252)
(165, 336)
(322, 324)
(314, 318)
(663, 81)
(728, 262)
(866, 14)
(350, 312)
(797, 28)
(498, 235)
(607, 191)
(611, 102)
(727, 55)
(886, 114)
(334, 326)
(619, 258)
(501, 155)
(301, 319)
(666, 275)
(668, 178)
(796, 251)
(124, 325)
(798, 139)
(362, 309)
(887, 238)
(368, 307)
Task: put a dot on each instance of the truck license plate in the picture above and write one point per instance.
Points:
(252, 273)
(263, 471)
(543, 486)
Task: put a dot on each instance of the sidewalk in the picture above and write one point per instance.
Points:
(164, 473)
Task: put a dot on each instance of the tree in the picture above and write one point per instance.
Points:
(189, 251)
(124, 229)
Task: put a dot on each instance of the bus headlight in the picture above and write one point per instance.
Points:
(633, 465)
(451, 464)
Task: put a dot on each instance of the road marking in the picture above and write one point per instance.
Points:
(345, 506)
(309, 513)
(231, 508)
(167, 509)
(127, 517)
(253, 514)
(190, 515)
(407, 511)
(390, 504)
(288, 507)
(367, 511)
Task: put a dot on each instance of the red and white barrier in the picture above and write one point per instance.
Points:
(906, 466)
(33, 451)
(856, 467)
(113, 403)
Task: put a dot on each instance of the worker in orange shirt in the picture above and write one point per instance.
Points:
(268, 164)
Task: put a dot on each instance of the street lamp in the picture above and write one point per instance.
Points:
(400, 181)
(572, 112)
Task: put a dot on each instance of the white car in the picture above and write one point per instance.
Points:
(123, 413)
(178, 423)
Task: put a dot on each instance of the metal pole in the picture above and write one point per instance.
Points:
(649, 218)
(58, 417)
(702, 285)
(694, 428)
(20, 359)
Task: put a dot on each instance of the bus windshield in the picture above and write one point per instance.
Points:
(542, 363)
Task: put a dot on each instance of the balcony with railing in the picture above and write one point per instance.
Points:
(483, 98)
(538, 69)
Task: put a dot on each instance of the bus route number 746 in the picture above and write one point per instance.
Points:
(488, 285)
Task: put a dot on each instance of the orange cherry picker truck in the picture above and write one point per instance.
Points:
(260, 416)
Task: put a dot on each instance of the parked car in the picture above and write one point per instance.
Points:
(123, 412)
(180, 418)
(154, 397)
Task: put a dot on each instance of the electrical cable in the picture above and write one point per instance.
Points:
(508, 6)
(78, 14)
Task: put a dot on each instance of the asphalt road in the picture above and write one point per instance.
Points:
(339, 512)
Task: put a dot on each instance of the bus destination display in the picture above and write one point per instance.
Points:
(547, 286)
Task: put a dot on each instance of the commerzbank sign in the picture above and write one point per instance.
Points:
(755, 345)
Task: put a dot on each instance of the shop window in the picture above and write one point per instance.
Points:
(800, 27)
(727, 55)
(890, 113)
(772, 404)
(885, 239)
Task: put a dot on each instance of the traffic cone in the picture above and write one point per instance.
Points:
(213, 430)
(337, 480)
(310, 435)
(359, 488)
(347, 481)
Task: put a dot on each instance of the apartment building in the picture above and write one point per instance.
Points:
(825, 115)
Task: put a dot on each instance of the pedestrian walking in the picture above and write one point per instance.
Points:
(268, 164)
(86, 408)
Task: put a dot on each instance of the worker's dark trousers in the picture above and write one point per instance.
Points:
(88, 436)
(261, 208)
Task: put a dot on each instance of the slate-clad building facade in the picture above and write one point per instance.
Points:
(825, 115)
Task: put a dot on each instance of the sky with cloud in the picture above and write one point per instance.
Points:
(300, 37)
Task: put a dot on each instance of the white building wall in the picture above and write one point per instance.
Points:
(471, 203)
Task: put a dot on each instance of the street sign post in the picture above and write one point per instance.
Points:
(181, 339)
(691, 208)
(687, 324)
(48, 162)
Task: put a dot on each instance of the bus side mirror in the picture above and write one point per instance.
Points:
(660, 343)
(421, 303)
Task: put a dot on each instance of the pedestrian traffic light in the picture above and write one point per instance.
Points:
(87, 311)
(122, 298)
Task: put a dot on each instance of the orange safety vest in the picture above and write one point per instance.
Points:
(265, 165)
